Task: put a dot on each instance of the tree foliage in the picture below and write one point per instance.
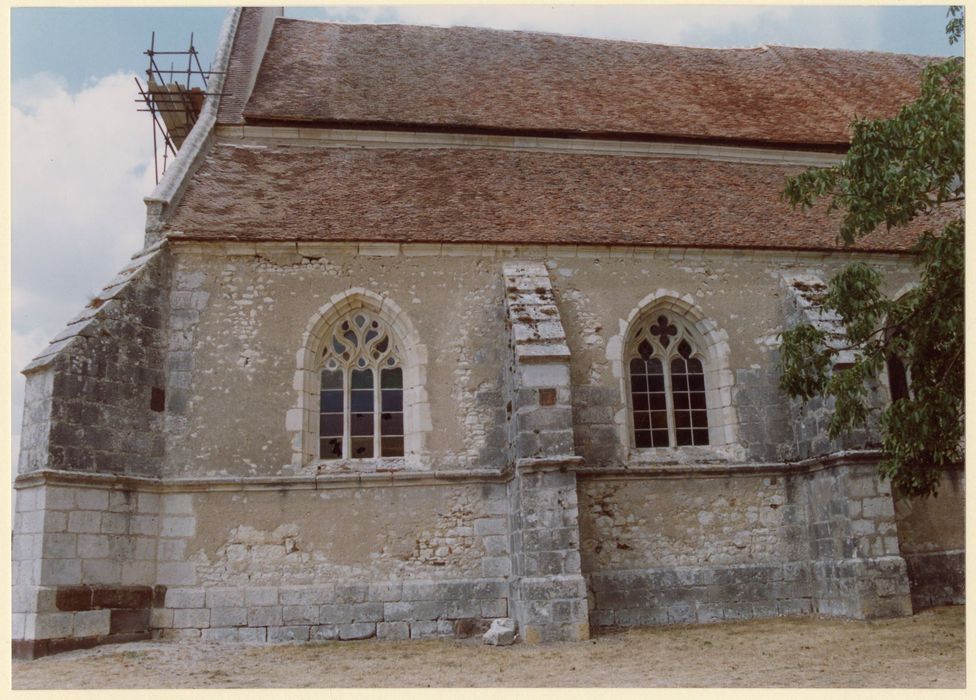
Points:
(896, 171)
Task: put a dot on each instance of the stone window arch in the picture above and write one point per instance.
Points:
(360, 379)
(694, 371)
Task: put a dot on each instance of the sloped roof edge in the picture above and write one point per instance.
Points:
(198, 140)
(243, 37)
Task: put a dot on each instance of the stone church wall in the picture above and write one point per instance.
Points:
(523, 498)
(252, 307)
(84, 558)
(112, 563)
(683, 548)
(84, 564)
(932, 539)
(238, 324)
(329, 561)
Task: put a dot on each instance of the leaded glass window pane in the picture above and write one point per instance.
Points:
(331, 415)
(392, 446)
(647, 393)
(361, 391)
(330, 448)
(361, 447)
(391, 418)
(667, 386)
(688, 390)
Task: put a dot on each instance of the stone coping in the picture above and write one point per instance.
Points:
(200, 138)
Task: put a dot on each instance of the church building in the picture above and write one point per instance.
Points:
(435, 326)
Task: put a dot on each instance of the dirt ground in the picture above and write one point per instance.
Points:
(924, 651)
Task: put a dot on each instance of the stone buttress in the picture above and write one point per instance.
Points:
(548, 590)
(84, 552)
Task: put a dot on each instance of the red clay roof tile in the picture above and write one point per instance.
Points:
(492, 196)
(468, 78)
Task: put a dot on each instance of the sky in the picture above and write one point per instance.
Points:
(81, 153)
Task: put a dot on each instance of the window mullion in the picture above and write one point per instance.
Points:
(669, 401)
(346, 410)
(376, 412)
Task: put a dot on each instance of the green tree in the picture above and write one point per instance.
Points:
(908, 168)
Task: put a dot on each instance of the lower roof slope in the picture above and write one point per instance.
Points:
(277, 192)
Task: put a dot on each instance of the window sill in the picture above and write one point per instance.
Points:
(688, 455)
(372, 465)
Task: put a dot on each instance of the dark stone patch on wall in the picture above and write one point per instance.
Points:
(595, 433)
(129, 614)
(937, 578)
(763, 412)
(129, 621)
(700, 595)
(93, 388)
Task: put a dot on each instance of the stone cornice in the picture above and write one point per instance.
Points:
(372, 138)
(506, 251)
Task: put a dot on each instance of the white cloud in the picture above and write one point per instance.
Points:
(27, 95)
(655, 23)
(81, 163)
(719, 26)
(74, 156)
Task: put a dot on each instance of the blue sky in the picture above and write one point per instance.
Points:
(82, 153)
(92, 42)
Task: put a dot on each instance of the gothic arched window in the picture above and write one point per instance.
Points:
(667, 384)
(361, 390)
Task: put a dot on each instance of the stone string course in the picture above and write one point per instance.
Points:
(315, 250)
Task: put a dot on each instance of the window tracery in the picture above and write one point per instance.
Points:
(667, 385)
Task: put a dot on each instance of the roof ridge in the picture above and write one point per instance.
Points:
(617, 40)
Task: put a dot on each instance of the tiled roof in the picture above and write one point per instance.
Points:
(390, 75)
(492, 196)
(242, 57)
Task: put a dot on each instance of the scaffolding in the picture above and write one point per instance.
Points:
(174, 105)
